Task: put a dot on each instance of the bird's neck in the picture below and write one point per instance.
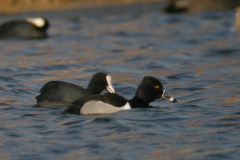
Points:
(137, 102)
(93, 90)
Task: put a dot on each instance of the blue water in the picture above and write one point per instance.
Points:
(196, 57)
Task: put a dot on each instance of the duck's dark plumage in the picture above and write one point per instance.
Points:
(109, 98)
(148, 91)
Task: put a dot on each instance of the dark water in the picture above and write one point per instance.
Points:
(196, 57)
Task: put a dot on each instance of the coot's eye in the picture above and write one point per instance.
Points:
(156, 86)
(104, 80)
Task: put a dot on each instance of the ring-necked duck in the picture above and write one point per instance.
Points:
(148, 91)
(58, 93)
(31, 28)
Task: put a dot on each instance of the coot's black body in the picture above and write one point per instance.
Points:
(32, 28)
(58, 93)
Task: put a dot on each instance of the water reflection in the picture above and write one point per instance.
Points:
(195, 56)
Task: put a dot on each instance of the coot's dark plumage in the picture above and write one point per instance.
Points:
(172, 8)
(195, 6)
(31, 28)
(58, 93)
(148, 91)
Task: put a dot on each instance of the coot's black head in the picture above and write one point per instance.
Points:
(99, 82)
(151, 89)
(39, 22)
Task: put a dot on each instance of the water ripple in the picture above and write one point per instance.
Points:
(195, 57)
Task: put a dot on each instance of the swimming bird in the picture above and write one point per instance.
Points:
(148, 91)
(58, 93)
(195, 6)
(31, 28)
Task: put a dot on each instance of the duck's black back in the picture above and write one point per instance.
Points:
(21, 29)
(109, 98)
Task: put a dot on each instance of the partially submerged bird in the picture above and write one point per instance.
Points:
(195, 6)
(58, 93)
(148, 91)
(31, 28)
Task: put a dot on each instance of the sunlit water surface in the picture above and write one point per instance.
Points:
(196, 57)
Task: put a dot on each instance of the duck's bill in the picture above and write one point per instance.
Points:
(167, 97)
(110, 89)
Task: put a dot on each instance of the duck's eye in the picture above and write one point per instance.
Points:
(156, 86)
(104, 80)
